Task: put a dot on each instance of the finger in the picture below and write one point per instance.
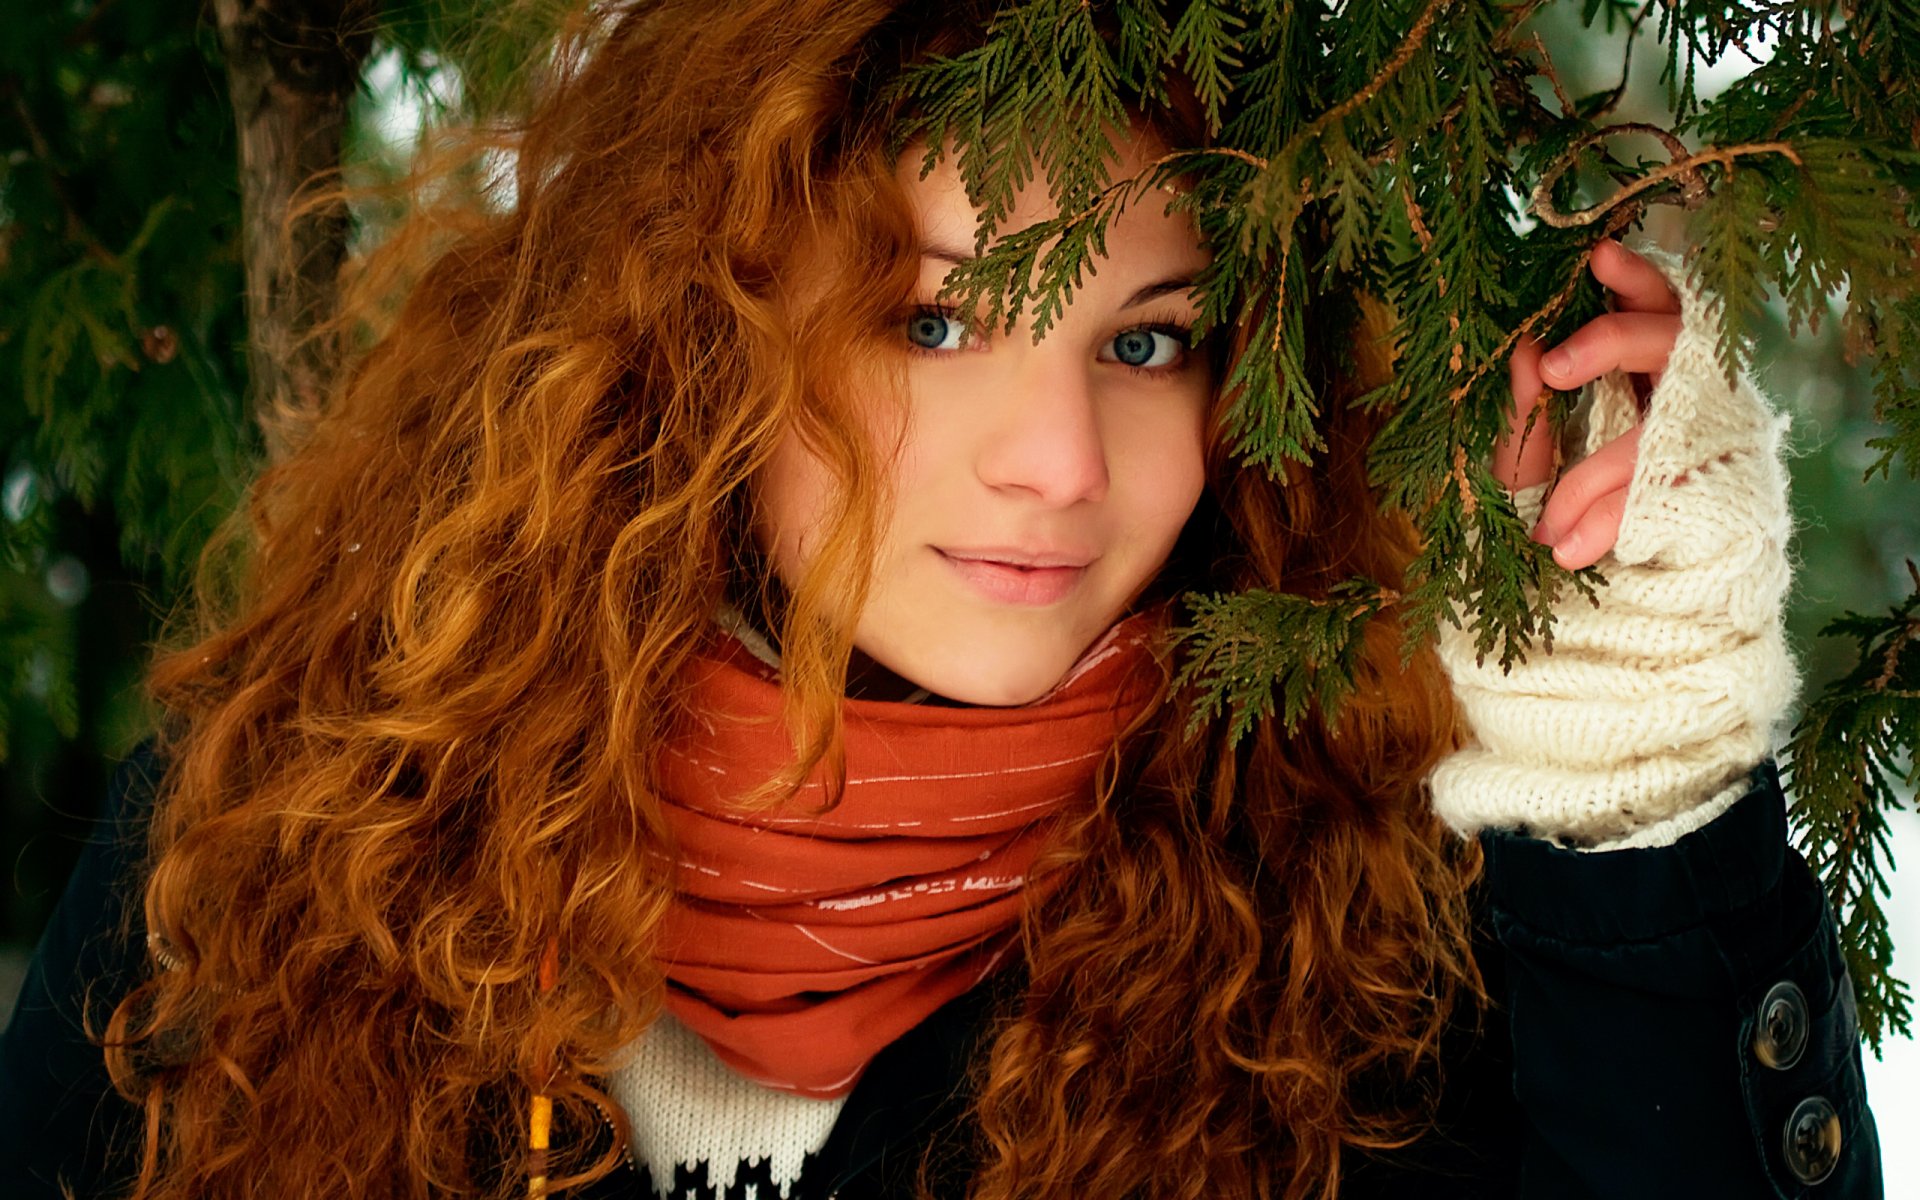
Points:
(1608, 468)
(1524, 456)
(1636, 342)
(1638, 285)
(1595, 534)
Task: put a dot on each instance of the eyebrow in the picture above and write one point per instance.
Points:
(1152, 291)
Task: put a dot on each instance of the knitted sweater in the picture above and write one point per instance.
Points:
(1642, 722)
(1639, 726)
(700, 1131)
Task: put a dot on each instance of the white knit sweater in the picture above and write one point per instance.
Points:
(702, 1130)
(1641, 722)
(1638, 727)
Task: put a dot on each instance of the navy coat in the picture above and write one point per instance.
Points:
(1675, 1022)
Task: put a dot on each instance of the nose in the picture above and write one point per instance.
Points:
(1046, 438)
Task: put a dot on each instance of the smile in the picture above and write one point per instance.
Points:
(1040, 580)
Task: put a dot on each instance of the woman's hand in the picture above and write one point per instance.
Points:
(1581, 519)
(1642, 722)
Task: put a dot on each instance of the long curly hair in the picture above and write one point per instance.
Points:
(410, 735)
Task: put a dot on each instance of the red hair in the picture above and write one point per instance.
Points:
(410, 740)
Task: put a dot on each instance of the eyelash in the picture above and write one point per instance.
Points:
(1167, 323)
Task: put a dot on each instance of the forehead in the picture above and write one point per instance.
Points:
(944, 216)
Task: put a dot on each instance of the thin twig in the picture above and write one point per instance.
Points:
(1521, 14)
(1405, 172)
(1553, 77)
(1416, 36)
(1787, 114)
(1892, 653)
(1899, 641)
(1501, 40)
(1467, 504)
(1685, 168)
(1626, 66)
(1548, 311)
(1221, 151)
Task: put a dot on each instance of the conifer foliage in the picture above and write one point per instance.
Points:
(1402, 147)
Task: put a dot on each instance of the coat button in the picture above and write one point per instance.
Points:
(1780, 1035)
(1812, 1140)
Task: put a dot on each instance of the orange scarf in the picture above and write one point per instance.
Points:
(801, 943)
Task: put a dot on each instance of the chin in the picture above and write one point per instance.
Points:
(1006, 690)
(1002, 678)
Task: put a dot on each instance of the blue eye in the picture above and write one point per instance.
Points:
(1148, 348)
(1156, 348)
(934, 329)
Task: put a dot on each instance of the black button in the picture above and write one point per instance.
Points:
(1780, 1033)
(1812, 1140)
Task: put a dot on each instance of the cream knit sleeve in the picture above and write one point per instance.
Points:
(1642, 722)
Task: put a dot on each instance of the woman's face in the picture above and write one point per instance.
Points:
(1039, 487)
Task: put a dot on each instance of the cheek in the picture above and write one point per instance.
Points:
(1166, 474)
(790, 497)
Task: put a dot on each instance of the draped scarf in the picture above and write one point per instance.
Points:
(800, 942)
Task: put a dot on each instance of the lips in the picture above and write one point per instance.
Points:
(1009, 575)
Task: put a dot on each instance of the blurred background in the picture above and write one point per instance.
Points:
(127, 433)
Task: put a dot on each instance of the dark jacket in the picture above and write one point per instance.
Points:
(1676, 1021)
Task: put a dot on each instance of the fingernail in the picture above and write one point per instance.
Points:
(1559, 362)
(1568, 550)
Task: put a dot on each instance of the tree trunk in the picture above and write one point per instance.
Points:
(292, 66)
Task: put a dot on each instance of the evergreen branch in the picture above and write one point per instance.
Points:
(1202, 39)
(1408, 47)
(1271, 414)
(1686, 167)
(1546, 313)
(1898, 643)
(1512, 595)
(1243, 648)
(1501, 40)
(1416, 37)
(1405, 175)
(1436, 101)
(1844, 759)
(1002, 273)
(1896, 327)
(1786, 116)
(1729, 263)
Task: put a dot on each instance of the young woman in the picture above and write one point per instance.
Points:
(685, 725)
